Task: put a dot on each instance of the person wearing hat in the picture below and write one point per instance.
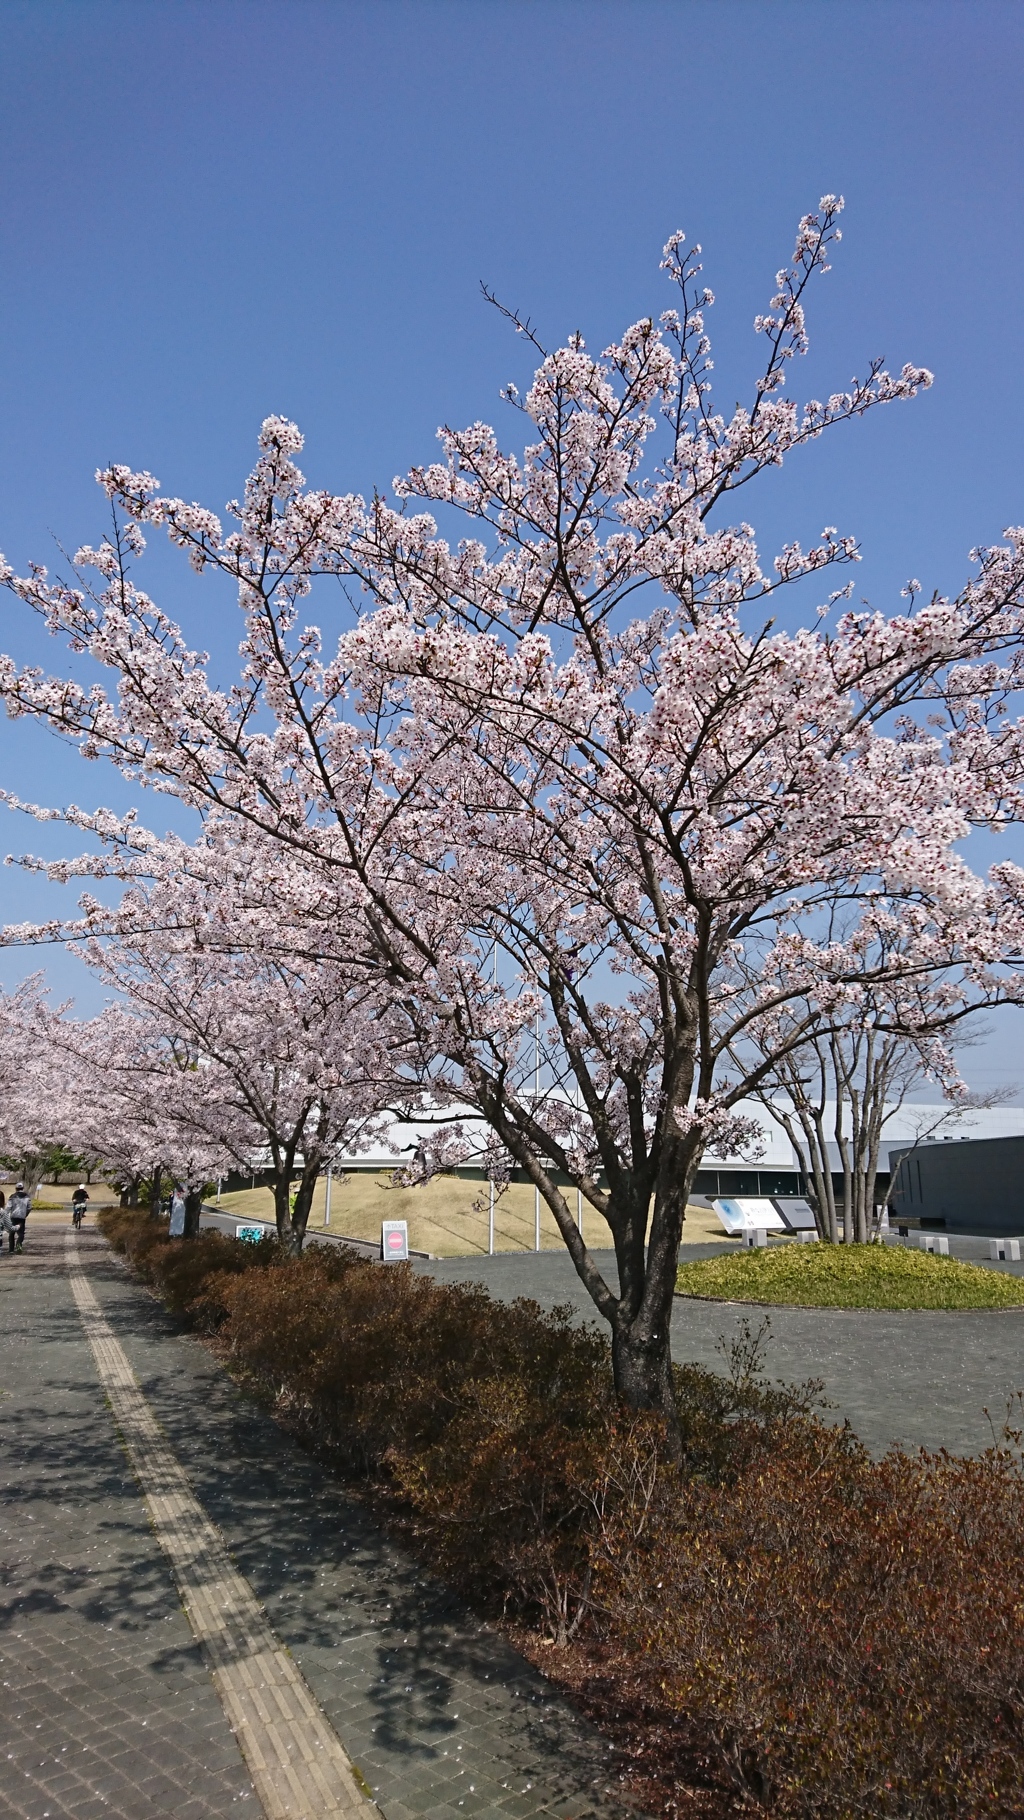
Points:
(18, 1209)
(79, 1202)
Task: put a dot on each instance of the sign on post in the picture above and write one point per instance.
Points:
(251, 1234)
(394, 1241)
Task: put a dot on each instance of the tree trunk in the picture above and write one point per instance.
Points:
(642, 1369)
(193, 1208)
(303, 1202)
(826, 1186)
(291, 1221)
(31, 1174)
(641, 1321)
(647, 1261)
(156, 1191)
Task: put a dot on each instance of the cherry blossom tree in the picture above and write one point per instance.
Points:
(109, 1089)
(37, 1094)
(142, 1106)
(568, 771)
(288, 1059)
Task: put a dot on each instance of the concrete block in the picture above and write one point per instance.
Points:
(807, 1238)
(1006, 1250)
(935, 1241)
(755, 1238)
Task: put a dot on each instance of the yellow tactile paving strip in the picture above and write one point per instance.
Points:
(299, 1767)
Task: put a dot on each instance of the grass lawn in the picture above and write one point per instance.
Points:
(841, 1276)
(442, 1218)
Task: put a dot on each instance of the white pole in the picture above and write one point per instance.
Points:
(219, 1180)
(536, 1095)
(327, 1203)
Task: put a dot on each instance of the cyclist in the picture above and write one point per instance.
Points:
(18, 1209)
(79, 1202)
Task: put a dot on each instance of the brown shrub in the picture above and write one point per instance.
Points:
(847, 1632)
(486, 1419)
(131, 1232)
(843, 1635)
(185, 1273)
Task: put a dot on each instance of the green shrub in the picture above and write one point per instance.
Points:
(849, 1276)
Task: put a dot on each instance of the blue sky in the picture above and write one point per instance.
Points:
(215, 211)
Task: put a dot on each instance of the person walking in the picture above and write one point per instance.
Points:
(18, 1209)
(6, 1225)
(79, 1203)
(176, 1230)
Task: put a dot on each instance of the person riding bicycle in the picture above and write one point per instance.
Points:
(18, 1209)
(79, 1202)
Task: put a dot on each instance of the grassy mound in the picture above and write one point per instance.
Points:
(856, 1276)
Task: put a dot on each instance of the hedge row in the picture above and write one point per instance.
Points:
(846, 1635)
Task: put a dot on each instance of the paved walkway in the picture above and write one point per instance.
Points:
(110, 1704)
(921, 1378)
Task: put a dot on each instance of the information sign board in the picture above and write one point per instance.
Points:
(797, 1213)
(743, 1215)
(251, 1234)
(394, 1241)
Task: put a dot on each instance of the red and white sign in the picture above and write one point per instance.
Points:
(394, 1241)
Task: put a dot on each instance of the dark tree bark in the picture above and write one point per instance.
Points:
(193, 1208)
(292, 1215)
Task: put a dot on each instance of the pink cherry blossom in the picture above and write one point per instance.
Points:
(558, 797)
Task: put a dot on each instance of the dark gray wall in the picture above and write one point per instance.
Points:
(973, 1185)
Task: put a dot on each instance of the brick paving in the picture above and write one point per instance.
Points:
(108, 1708)
(114, 1712)
(296, 1760)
